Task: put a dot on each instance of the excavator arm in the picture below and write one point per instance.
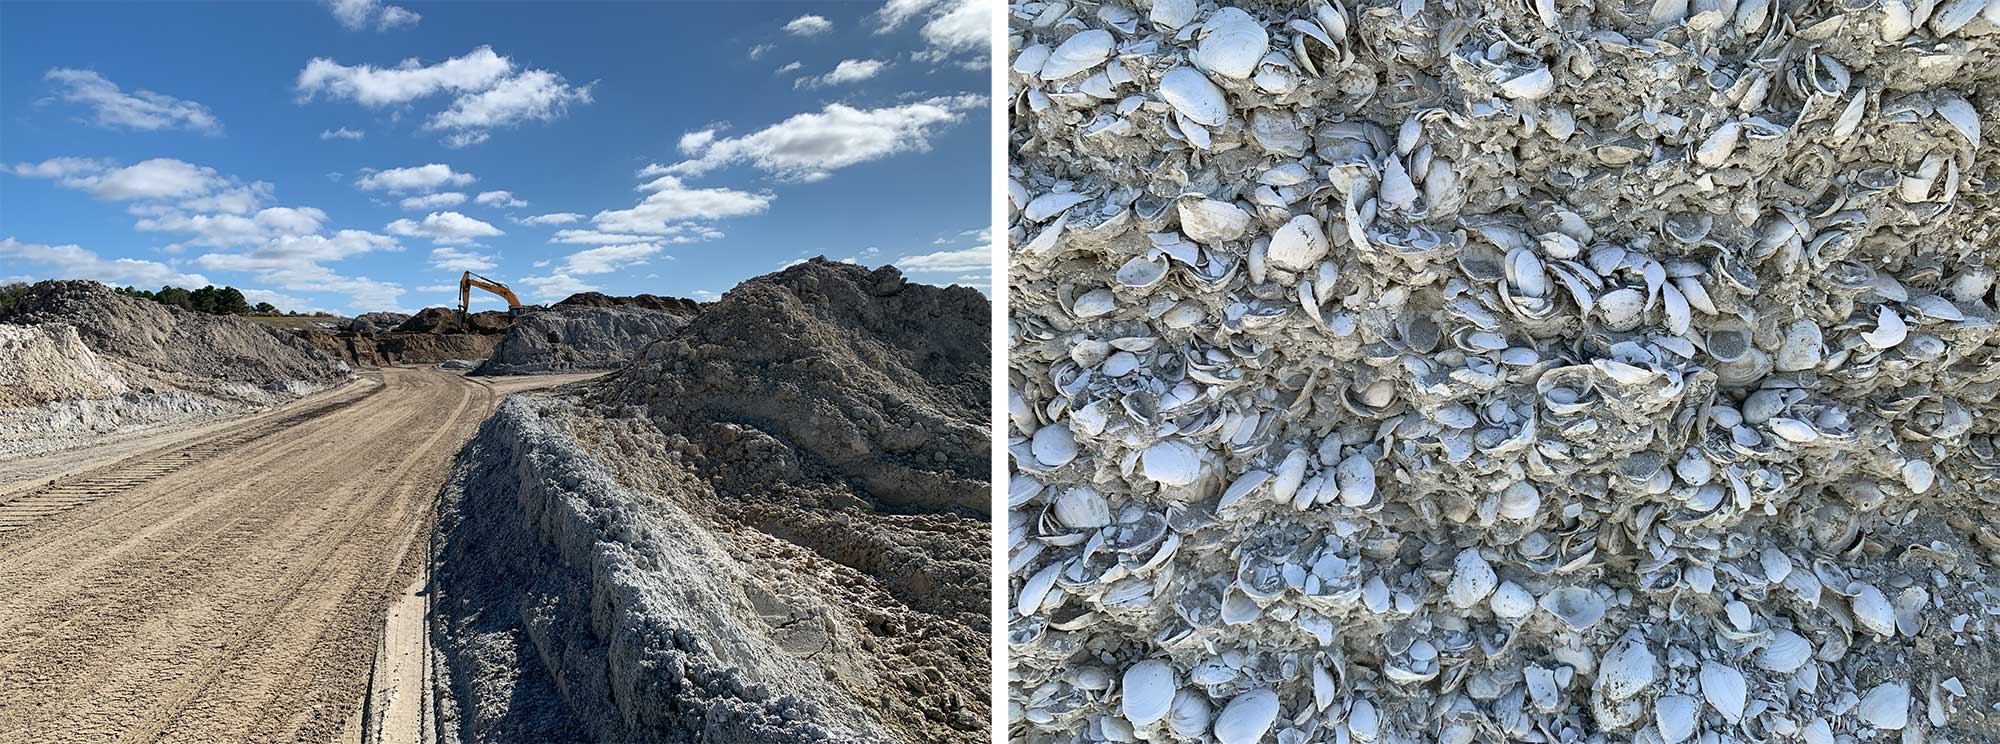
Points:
(469, 280)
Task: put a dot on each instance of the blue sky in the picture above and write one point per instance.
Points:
(357, 155)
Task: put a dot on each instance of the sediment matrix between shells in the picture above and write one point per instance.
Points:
(1546, 371)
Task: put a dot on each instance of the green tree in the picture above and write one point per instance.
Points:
(230, 301)
(172, 295)
(265, 308)
(11, 293)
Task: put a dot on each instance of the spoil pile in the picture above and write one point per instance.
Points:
(1505, 371)
(82, 361)
(594, 333)
(769, 527)
(431, 336)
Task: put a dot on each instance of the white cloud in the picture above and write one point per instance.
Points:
(280, 301)
(587, 237)
(671, 201)
(951, 28)
(533, 95)
(376, 87)
(760, 50)
(141, 110)
(808, 25)
(429, 202)
(552, 218)
(609, 258)
(342, 133)
(454, 259)
(808, 147)
(438, 288)
(76, 262)
(556, 287)
(499, 199)
(414, 178)
(233, 200)
(487, 91)
(293, 263)
(233, 230)
(448, 228)
(848, 71)
(977, 258)
(158, 178)
(692, 143)
(789, 67)
(706, 295)
(356, 15)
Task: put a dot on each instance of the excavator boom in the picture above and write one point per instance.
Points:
(469, 280)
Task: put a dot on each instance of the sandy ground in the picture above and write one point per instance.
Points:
(228, 584)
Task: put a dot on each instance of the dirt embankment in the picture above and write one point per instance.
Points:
(88, 362)
(583, 337)
(769, 527)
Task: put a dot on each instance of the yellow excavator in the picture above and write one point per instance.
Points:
(470, 280)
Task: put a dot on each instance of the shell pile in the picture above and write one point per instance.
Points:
(1547, 371)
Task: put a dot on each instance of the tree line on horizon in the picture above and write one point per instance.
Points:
(209, 299)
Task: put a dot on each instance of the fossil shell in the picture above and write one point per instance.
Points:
(1171, 463)
(1083, 507)
(1246, 718)
(1472, 579)
(1724, 688)
(1885, 706)
(1627, 670)
(1578, 608)
(1149, 691)
(1231, 44)
(1676, 716)
(1212, 221)
(1083, 51)
(1194, 96)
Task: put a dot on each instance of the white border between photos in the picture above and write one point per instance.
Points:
(999, 110)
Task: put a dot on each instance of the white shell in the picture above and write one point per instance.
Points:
(1297, 245)
(1627, 670)
(1247, 717)
(1054, 445)
(1676, 715)
(1885, 706)
(1725, 689)
(1578, 608)
(1194, 96)
(1171, 13)
(1890, 329)
(1148, 692)
(1052, 204)
(1078, 53)
(1534, 84)
(1190, 714)
(1872, 609)
(1095, 303)
(1232, 44)
(1212, 221)
(1786, 653)
(1511, 601)
(1356, 478)
(1083, 507)
(1171, 463)
(1472, 579)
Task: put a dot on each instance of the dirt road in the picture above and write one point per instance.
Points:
(231, 586)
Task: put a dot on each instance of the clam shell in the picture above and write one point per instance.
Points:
(1472, 579)
(1627, 670)
(1194, 96)
(1148, 692)
(1885, 706)
(1725, 689)
(1297, 245)
(1247, 717)
(1578, 608)
(1786, 653)
(1676, 716)
(1871, 609)
(1082, 51)
(1190, 714)
(1171, 14)
(1083, 507)
(1212, 221)
(1356, 478)
(1054, 445)
(1171, 463)
(1232, 43)
(1510, 601)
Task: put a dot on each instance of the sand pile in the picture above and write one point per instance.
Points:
(579, 337)
(85, 361)
(770, 527)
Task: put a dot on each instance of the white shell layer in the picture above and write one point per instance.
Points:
(1495, 371)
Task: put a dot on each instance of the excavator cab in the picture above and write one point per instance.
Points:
(469, 280)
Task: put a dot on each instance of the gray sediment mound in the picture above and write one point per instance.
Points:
(377, 322)
(583, 337)
(770, 527)
(83, 361)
